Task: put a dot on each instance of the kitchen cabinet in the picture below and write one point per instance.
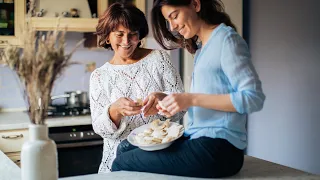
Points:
(12, 18)
(14, 130)
(11, 142)
(15, 157)
(87, 24)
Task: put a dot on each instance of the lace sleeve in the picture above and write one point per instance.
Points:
(99, 106)
(171, 80)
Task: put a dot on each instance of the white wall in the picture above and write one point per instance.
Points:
(285, 45)
(235, 10)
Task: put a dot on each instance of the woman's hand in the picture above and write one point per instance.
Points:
(123, 107)
(175, 103)
(151, 102)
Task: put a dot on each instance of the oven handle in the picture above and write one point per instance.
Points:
(80, 144)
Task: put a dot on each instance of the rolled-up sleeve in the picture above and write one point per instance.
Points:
(247, 95)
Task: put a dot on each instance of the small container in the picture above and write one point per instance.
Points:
(3, 14)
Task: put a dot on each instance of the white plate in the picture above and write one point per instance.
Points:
(151, 147)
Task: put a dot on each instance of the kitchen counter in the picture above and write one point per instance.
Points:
(253, 168)
(8, 169)
(20, 120)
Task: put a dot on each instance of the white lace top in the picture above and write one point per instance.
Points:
(108, 83)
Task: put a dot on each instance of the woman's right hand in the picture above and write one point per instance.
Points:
(174, 103)
(123, 107)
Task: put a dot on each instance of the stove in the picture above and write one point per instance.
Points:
(64, 110)
(79, 148)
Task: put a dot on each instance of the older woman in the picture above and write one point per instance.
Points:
(132, 73)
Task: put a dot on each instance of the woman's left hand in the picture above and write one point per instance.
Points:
(174, 103)
(151, 102)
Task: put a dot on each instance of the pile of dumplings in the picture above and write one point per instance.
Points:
(159, 132)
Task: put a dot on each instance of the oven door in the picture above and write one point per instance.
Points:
(79, 158)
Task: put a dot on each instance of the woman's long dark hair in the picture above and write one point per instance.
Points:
(212, 12)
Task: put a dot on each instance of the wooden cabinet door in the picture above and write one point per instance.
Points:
(12, 15)
(12, 140)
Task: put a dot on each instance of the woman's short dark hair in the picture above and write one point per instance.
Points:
(212, 12)
(125, 14)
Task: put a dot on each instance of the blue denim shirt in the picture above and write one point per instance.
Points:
(223, 66)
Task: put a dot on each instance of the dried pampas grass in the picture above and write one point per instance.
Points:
(38, 62)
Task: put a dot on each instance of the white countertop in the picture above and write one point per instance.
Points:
(8, 169)
(252, 169)
(20, 120)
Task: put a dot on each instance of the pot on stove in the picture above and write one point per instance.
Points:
(74, 98)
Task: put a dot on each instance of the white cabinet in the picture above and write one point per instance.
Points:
(11, 143)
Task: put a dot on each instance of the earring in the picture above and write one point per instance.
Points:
(108, 41)
(142, 42)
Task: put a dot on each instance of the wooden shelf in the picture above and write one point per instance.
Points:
(72, 24)
(77, 24)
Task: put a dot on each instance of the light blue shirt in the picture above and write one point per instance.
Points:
(223, 66)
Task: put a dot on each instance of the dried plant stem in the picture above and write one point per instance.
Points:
(39, 62)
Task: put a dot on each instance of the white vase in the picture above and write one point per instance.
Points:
(39, 155)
